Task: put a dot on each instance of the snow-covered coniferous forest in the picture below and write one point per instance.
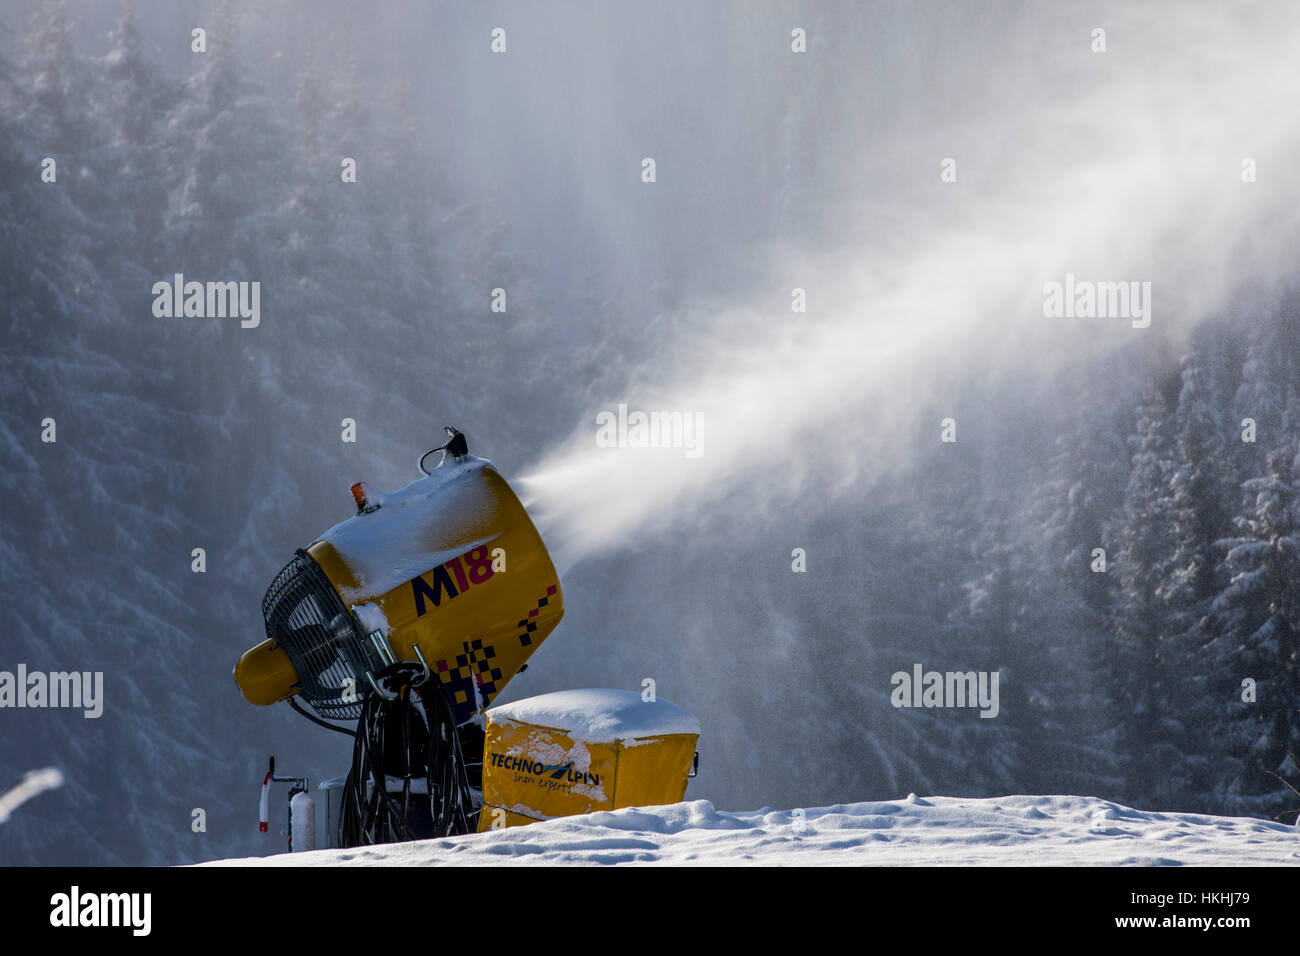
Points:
(985, 321)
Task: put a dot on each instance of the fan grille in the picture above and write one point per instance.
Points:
(306, 616)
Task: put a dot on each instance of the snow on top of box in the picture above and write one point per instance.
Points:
(599, 716)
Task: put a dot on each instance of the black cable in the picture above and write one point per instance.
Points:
(293, 702)
(450, 801)
(420, 464)
(428, 746)
(406, 760)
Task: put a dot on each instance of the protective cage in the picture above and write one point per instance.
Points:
(306, 617)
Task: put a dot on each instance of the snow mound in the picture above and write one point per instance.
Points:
(935, 831)
(599, 716)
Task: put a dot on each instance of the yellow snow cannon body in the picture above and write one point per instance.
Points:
(448, 573)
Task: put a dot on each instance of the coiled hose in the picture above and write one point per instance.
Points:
(404, 745)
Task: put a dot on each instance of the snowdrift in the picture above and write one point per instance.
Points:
(934, 831)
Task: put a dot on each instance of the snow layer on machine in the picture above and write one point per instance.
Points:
(599, 716)
(389, 546)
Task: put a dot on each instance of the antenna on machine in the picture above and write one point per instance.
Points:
(456, 446)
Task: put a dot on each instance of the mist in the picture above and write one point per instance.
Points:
(838, 279)
(1123, 165)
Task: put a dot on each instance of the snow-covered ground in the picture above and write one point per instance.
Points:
(1010, 831)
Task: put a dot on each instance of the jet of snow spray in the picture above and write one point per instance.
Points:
(1134, 173)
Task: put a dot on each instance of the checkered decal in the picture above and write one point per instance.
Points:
(459, 675)
(529, 624)
(476, 665)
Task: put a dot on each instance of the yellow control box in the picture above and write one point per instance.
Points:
(580, 751)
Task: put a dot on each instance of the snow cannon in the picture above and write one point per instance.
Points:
(448, 575)
(410, 617)
(580, 751)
